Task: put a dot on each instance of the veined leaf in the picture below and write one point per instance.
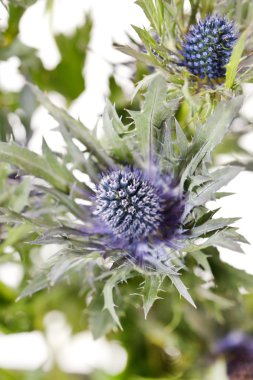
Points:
(58, 266)
(113, 129)
(120, 275)
(181, 289)
(142, 57)
(219, 178)
(53, 162)
(150, 290)
(77, 129)
(149, 121)
(209, 136)
(100, 321)
(20, 197)
(32, 164)
(108, 300)
(79, 211)
(202, 260)
(212, 225)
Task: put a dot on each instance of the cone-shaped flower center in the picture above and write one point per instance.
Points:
(208, 46)
(129, 204)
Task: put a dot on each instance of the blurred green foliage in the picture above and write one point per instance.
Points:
(176, 341)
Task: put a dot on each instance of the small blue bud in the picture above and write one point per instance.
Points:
(212, 40)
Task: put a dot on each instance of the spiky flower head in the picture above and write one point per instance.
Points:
(208, 46)
(137, 207)
(129, 204)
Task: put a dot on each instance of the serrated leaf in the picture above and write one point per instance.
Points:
(119, 275)
(113, 129)
(108, 301)
(150, 292)
(142, 57)
(149, 121)
(202, 260)
(219, 178)
(212, 225)
(56, 166)
(100, 321)
(232, 66)
(32, 164)
(9, 216)
(57, 267)
(177, 282)
(76, 128)
(208, 137)
(20, 198)
(229, 239)
(79, 211)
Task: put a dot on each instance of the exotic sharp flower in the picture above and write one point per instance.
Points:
(208, 45)
(137, 208)
(129, 204)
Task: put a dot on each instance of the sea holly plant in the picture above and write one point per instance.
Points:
(140, 213)
(204, 50)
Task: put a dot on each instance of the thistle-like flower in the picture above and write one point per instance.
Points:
(143, 209)
(139, 209)
(208, 45)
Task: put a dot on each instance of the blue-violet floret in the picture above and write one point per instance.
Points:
(137, 209)
(208, 46)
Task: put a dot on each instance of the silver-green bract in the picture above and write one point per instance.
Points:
(152, 142)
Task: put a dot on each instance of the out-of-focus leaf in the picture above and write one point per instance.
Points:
(76, 128)
(79, 211)
(202, 260)
(32, 164)
(234, 60)
(19, 199)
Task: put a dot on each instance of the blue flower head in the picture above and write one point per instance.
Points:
(208, 46)
(137, 209)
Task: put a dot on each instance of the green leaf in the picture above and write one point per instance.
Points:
(212, 225)
(208, 137)
(56, 269)
(67, 77)
(67, 201)
(108, 298)
(75, 127)
(149, 121)
(218, 179)
(56, 166)
(32, 164)
(113, 129)
(202, 260)
(20, 198)
(119, 275)
(142, 57)
(181, 289)
(150, 290)
(235, 60)
(100, 321)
